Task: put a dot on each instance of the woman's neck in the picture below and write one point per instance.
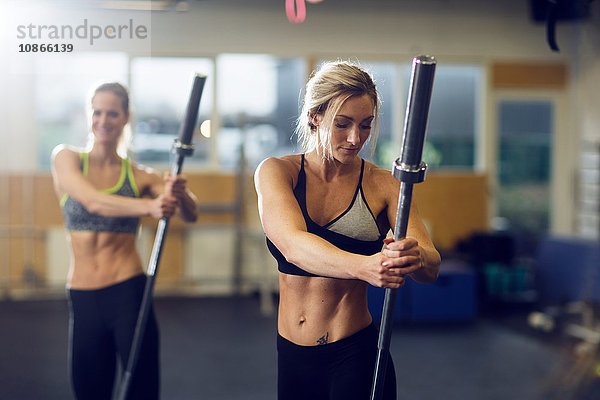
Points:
(104, 154)
(330, 169)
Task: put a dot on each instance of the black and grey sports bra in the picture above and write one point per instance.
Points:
(78, 218)
(355, 230)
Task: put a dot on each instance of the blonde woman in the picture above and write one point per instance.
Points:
(103, 195)
(326, 214)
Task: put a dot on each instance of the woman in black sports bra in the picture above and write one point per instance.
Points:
(326, 214)
(103, 195)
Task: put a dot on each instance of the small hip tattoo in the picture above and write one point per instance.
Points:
(323, 339)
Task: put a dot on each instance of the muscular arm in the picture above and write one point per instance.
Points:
(68, 179)
(284, 225)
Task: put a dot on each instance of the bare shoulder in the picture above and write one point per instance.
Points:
(285, 166)
(289, 162)
(64, 152)
(380, 177)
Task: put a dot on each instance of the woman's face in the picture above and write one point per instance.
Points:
(351, 128)
(108, 117)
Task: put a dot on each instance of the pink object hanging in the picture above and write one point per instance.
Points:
(296, 10)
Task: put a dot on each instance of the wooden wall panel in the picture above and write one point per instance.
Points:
(213, 189)
(172, 264)
(528, 75)
(453, 205)
(46, 210)
(15, 200)
(26, 261)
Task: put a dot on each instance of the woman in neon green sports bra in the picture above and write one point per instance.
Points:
(103, 197)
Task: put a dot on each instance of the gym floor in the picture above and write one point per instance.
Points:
(223, 348)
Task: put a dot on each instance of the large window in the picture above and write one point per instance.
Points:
(258, 99)
(524, 164)
(160, 89)
(453, 117)
(258, 104)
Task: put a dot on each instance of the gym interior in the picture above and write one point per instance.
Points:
(511, 196)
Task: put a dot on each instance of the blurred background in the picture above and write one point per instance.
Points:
(511, 198)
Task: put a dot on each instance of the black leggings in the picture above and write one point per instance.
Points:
(101, 326)
(339, 370)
